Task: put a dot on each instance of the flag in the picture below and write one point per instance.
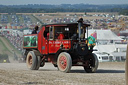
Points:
(94, 34)
(92, 39)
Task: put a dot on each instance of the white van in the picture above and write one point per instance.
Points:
(104, 57)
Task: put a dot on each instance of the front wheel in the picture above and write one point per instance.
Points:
(92, 64)
(33, 61)
(64, 62)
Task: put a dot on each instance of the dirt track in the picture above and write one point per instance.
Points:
(18, 74)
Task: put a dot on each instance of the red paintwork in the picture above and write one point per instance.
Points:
(54, 45)
(40, 36)
(42, 42)
(46, 46)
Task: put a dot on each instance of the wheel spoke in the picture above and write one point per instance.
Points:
(63, 62)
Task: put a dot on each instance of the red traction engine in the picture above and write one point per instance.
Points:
(64, 45)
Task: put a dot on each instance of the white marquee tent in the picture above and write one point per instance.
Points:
(104, 34)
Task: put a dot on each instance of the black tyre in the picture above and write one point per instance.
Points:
(64, 62)
(93, 64)
(38, 62)
(32, 61)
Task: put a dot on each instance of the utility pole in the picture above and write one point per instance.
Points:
(126, 67)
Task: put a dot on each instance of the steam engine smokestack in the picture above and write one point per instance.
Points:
(80, 23)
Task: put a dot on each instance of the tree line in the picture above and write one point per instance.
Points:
(53, 9)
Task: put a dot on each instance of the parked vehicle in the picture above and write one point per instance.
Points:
(62, 44)
(104, 57)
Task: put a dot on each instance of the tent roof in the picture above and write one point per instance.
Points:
(104, 34)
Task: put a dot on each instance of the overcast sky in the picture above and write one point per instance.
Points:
(23, 2)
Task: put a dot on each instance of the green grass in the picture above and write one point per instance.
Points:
(4, 47)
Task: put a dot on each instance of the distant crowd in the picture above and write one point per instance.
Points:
(14, 37)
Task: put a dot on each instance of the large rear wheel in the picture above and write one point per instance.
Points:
(33, 61)
(92, 64)
(64, 62)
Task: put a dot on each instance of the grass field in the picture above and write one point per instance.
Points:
(3, 47)
(7, 48)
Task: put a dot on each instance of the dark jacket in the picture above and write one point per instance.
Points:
(34, 32)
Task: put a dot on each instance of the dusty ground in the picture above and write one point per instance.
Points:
(18, 74)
